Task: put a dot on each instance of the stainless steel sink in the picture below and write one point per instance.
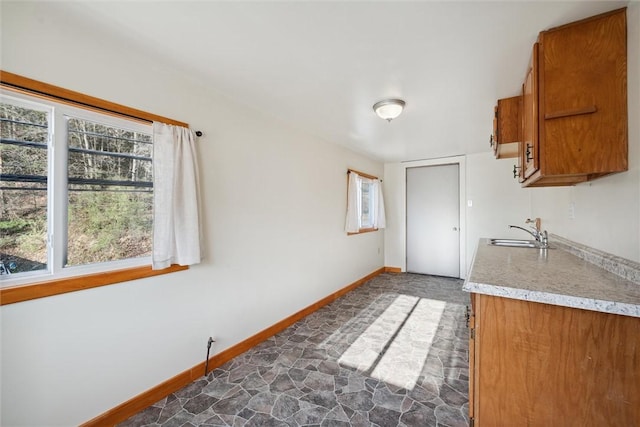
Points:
(515, 243)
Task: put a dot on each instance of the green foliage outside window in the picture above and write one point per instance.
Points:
(109, 191)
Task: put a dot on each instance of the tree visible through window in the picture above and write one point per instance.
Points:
(79, 195)
(23, 188)
(110, 193)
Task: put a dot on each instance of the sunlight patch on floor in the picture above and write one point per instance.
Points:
(366, 349)
(402, 363)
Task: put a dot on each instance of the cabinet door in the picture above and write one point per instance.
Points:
(472, 356)
(509, 126)
(494, 136)
(518, 169)
(583, 96)
(529, 149)
(548, 365)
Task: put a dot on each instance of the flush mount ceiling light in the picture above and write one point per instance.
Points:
(389, 109)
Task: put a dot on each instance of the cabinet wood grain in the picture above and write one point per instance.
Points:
(543, 365)
(574, 118)
(507, 127)
(529, 148)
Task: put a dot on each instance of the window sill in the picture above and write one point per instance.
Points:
(49, 288)
(363, 230)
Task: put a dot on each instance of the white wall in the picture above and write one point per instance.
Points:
(274, 203)
(498, 201)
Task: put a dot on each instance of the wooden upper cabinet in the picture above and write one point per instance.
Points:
(575, 103)
(507, 127)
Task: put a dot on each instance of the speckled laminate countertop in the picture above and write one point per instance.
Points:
(552, 276)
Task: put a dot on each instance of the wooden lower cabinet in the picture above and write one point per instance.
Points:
(534, 364)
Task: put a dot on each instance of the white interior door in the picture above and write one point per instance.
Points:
(433, 220)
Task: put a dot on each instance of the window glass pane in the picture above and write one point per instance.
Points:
(110, 193)
(23, 188)
(367, 201)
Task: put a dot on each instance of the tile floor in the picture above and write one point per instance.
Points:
(393, 352)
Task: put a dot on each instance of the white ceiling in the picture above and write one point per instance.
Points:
(322, 65)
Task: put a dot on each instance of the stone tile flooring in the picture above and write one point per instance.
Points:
(393, 352)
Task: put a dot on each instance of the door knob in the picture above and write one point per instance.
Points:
(455, 228)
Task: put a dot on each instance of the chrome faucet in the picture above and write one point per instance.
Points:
(540, 236)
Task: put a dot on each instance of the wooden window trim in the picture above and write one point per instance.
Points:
(46, 288)
(44, 90)
(364, 175)
(363, 230)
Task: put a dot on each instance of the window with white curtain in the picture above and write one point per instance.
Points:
(79, 192)
(365, 204)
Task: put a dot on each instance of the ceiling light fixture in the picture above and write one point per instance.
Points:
(389, 109)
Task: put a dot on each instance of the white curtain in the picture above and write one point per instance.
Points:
(353, 221)
(176, 219)
(379, 219)
(354, 199)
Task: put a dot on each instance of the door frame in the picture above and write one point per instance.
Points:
(461, 162)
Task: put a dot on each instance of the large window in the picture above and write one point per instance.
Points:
(75, 189)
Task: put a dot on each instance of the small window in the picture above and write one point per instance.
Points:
(365, 208)
(76, 189)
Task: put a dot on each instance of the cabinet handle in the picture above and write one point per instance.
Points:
(491, 140)
(528, 152)
(568, 113)
(515, 171)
